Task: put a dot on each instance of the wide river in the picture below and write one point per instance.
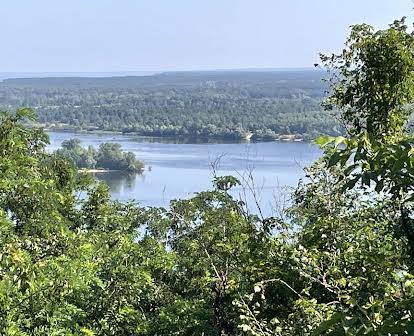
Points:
(267, 170)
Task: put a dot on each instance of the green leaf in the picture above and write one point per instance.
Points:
(334, 159)
(328, 324)
(379, 186)
(322, 141)
(351, 184)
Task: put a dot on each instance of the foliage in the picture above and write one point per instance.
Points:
(108, 156)
(372, 86)
(372, 80)
(378, 153)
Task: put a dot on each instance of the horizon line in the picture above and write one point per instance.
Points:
(132, 73)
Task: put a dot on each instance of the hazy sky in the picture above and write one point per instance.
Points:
(134, 35)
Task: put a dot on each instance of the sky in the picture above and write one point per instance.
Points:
(165, 35)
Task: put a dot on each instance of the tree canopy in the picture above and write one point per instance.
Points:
(108, 156)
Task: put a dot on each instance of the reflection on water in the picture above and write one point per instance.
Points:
(118, 181)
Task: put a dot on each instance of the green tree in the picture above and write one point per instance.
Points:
(90, 157)
(375, 91)
(373, 86)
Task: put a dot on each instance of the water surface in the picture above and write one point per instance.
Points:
(178, 169)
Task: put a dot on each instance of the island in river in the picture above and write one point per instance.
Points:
(108, 157)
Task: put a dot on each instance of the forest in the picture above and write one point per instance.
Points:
(222, 104)
(337, 261)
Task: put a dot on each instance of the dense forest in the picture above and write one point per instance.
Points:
(224, 104)
(338, 261)
(108, 156)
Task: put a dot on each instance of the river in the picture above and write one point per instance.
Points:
(178, 169)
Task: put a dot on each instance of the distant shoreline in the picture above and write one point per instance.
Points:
(103, 170)
(282, 137)
(97, 170)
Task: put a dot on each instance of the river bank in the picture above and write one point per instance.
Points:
(183, 138)
(102, 170)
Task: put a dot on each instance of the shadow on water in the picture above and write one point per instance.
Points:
(118, 181)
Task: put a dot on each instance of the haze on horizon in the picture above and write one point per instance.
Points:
(164, 35)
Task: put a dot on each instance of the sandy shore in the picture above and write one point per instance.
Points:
(84, 170)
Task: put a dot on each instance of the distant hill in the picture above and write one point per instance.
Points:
(278, 78)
